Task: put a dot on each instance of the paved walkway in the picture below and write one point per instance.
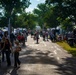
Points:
(45, 58)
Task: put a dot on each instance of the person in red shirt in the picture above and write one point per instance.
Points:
(19, 37)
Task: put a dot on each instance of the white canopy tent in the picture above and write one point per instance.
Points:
(38, 28)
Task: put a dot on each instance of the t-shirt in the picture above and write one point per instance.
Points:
(17, 48)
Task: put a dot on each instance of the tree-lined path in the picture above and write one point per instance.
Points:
(45, 58)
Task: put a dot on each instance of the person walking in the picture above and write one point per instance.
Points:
(43, 35)
(47, 35)
(23, 39)
(12, 38)
(37, 37)
(7, 46)
(1, 35)
(2, 49)
(17, 49)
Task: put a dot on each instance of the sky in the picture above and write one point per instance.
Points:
(33, 5)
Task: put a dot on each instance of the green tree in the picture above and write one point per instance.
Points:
(67, 25)
(65, 8)
(26, 20)
(51, 18)
(3, 21)
(12, 7)
(40, 12)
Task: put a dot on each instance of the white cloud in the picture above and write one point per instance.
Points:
(38, 0)
(41, 0)
(33, 5)
(29, 9)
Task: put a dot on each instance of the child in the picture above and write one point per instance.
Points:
(16, 54)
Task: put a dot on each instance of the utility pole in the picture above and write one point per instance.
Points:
(9, 25)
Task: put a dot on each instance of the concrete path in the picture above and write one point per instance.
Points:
(45, 58)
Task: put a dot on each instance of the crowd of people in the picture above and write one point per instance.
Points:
(14, 42)
(37, 34)
(9, 46)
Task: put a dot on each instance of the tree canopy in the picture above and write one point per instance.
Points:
(25, 20)
(66, 11)
(40, 12)
(49, 14)
(10, 5)
(65, 8)
(10, 8)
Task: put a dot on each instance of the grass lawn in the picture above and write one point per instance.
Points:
(67, 47)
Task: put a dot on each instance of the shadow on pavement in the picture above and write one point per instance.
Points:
(14, 71)
(33, 56)
(68, 67)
